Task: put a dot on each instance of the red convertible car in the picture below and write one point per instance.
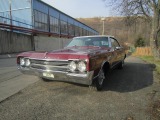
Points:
(86, 60)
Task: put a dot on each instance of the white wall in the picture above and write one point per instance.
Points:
(11, 42)
(49, 43)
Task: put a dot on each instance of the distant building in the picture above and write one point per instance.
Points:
(37, 15)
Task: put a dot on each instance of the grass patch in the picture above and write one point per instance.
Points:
(154, 108)
(151, 60)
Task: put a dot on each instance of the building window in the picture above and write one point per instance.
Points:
(76, 31)
(85, 32)
(81, 31)
(40, 20)
(54, 24)
(71, 29)
(64, 27)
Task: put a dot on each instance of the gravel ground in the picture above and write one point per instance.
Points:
(128, 95)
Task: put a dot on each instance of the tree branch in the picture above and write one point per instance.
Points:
(142, 8)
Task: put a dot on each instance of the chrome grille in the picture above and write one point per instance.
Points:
(50, 65)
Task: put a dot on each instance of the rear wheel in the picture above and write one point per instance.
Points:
(121, 65)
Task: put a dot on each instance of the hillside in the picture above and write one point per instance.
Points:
(117, 26)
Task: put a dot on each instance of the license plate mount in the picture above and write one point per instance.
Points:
(49, 75)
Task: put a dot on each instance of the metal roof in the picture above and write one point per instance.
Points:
(65, 14)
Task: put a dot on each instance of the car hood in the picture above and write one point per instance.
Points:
(66, 53)
(78, 50)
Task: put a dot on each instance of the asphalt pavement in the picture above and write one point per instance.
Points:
(127, 95)
(6, 56)
(11, 80)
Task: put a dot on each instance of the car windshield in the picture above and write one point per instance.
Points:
(89, 41)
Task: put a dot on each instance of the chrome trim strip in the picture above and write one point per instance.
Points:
(77, 75)
(48, 66)
(81, 78)
(47, 59)
(74, 60)
(54, 59)
(48, 70)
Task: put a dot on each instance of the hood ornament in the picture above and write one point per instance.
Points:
(45, 54)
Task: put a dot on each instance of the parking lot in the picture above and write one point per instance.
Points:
(127, 95)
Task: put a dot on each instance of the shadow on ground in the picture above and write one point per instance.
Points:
(132, 77)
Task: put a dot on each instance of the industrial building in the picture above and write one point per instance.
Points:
(37, 17)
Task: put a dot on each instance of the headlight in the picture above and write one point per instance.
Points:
(72, 66)
(81, 66)
(22, 61)
(27, 62)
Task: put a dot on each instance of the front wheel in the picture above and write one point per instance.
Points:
(99, 82)
(45, 80)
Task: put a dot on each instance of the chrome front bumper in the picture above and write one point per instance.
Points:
(85, 79)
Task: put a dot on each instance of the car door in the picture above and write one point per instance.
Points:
(114, 53)
(117, 50)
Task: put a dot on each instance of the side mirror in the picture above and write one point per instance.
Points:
(118, 48)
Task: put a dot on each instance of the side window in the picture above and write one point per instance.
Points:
(96, 43)
(105, 43)
(114, 43)
(102, 42)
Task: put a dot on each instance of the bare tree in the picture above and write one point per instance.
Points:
(145, 9)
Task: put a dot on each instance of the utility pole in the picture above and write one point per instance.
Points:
(10, 7)
(103, 20)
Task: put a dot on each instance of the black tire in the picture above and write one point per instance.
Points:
(45, 80)
(121, 65)
(99, 81)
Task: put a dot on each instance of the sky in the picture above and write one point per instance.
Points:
(81, 8)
